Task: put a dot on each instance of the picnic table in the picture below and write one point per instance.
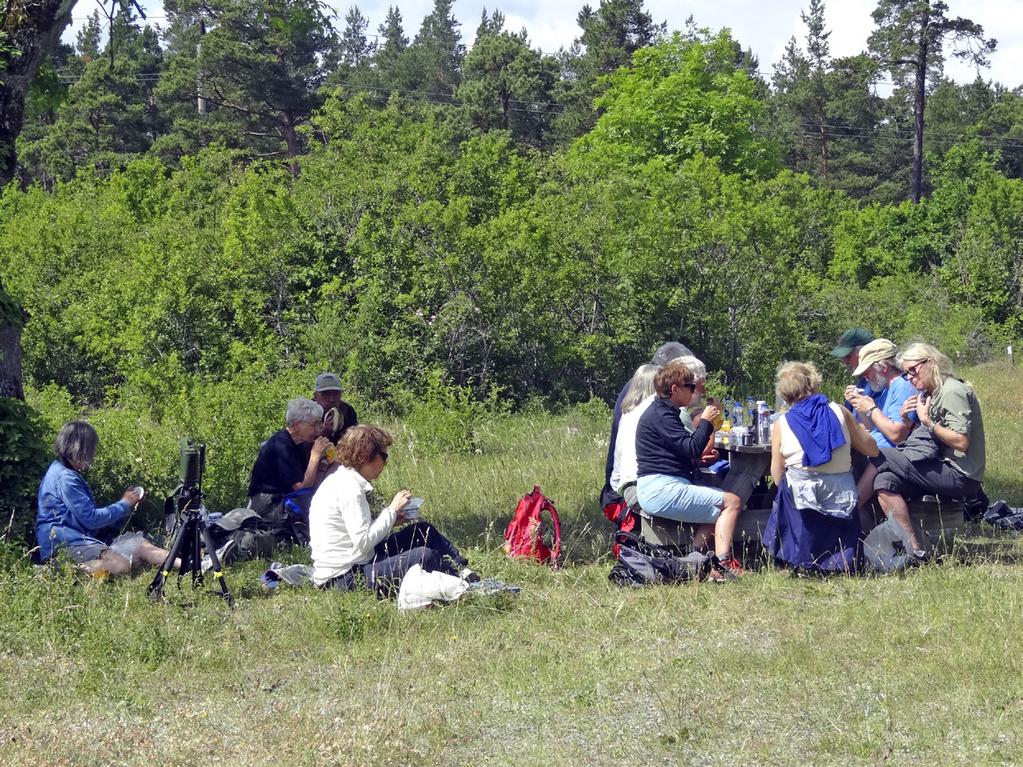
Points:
(748, 465)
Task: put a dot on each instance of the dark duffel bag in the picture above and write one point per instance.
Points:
(640, 564)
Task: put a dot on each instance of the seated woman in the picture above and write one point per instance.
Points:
(68, 518)
(667, 457)
(814, 524)
(638, 396)
(948, 409)
(349, 546)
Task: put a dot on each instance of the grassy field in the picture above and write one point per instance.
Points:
(916, 669)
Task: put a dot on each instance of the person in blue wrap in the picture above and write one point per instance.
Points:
(68, 518)
(814, 524)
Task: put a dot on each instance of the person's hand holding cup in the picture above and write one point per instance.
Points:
(398, 504)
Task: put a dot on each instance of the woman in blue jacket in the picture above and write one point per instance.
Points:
(69, 519)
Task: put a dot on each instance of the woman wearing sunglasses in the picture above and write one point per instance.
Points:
(349, 546)
(667, 456)
(948, 409)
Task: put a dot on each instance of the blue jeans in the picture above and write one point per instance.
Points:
(663, 495)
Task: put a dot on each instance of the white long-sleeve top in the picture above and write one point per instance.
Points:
(342, 531)
(626, 467)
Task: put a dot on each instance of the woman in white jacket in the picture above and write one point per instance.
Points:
(349, 547)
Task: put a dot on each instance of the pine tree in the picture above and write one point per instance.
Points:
(908, 42)
(610, 35)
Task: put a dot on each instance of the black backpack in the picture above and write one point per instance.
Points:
(641, 564)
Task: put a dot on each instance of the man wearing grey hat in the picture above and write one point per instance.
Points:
(338, 415)
(877, 402)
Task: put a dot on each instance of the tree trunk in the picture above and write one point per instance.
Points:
(294, 145)
(32, 29)
(919, 101)
(12, 318)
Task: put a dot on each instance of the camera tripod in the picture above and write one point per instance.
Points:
(192, 536)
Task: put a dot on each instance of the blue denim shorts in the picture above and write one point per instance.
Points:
(662, 495)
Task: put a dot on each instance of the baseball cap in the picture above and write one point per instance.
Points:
(328, 382)
(850, 340)
(877, 350)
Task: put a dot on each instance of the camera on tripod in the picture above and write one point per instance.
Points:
(185, 515)
(192, 462)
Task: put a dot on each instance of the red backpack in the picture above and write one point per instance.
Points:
(625, 521)
(524, 536)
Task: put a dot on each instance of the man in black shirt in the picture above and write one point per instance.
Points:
(289, 460)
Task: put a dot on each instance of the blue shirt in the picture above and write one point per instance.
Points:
(67, 513)
(890, 402)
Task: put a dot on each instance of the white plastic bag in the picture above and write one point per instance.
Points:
(420, 588)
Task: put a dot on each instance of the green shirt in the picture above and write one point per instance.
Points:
(955, 407)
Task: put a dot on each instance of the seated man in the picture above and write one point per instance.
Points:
(288, 461)
(667, 457)
(338, 415)
(878, 405)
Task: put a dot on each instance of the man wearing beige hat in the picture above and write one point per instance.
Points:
(878, 404)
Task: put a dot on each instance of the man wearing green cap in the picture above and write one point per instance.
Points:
(848, 349)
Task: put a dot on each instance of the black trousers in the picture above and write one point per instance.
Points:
(419, 543)
(896, 473)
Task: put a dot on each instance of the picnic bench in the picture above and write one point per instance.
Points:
(937, 520)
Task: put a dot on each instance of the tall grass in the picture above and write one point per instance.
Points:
(915, 669)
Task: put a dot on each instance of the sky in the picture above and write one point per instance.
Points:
(764, 26)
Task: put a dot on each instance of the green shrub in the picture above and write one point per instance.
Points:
(23, 459)
(442, 417)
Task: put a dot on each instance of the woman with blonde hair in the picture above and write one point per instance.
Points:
(638, 396)
(814, 524)
(351, 547)
(949, 412)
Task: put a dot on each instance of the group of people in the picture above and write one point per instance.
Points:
(322, 450)
(908, 427)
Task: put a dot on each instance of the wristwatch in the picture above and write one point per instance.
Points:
(870, 412)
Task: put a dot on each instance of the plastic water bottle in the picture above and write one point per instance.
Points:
(737, 415)
(763, 423)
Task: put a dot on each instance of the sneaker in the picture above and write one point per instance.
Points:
(469, 575)
(725, 570)
(222, 554)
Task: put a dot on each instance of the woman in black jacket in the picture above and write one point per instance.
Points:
(668, 457)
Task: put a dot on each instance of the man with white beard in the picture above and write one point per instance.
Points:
(879, 405)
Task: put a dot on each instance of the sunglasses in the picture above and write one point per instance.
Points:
(914, 370)
(383, 455)
(690, 386)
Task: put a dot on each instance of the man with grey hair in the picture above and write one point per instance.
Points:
(289, 460)
(665, 353)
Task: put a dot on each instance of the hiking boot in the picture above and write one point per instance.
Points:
(724, 570)
(222, 553)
